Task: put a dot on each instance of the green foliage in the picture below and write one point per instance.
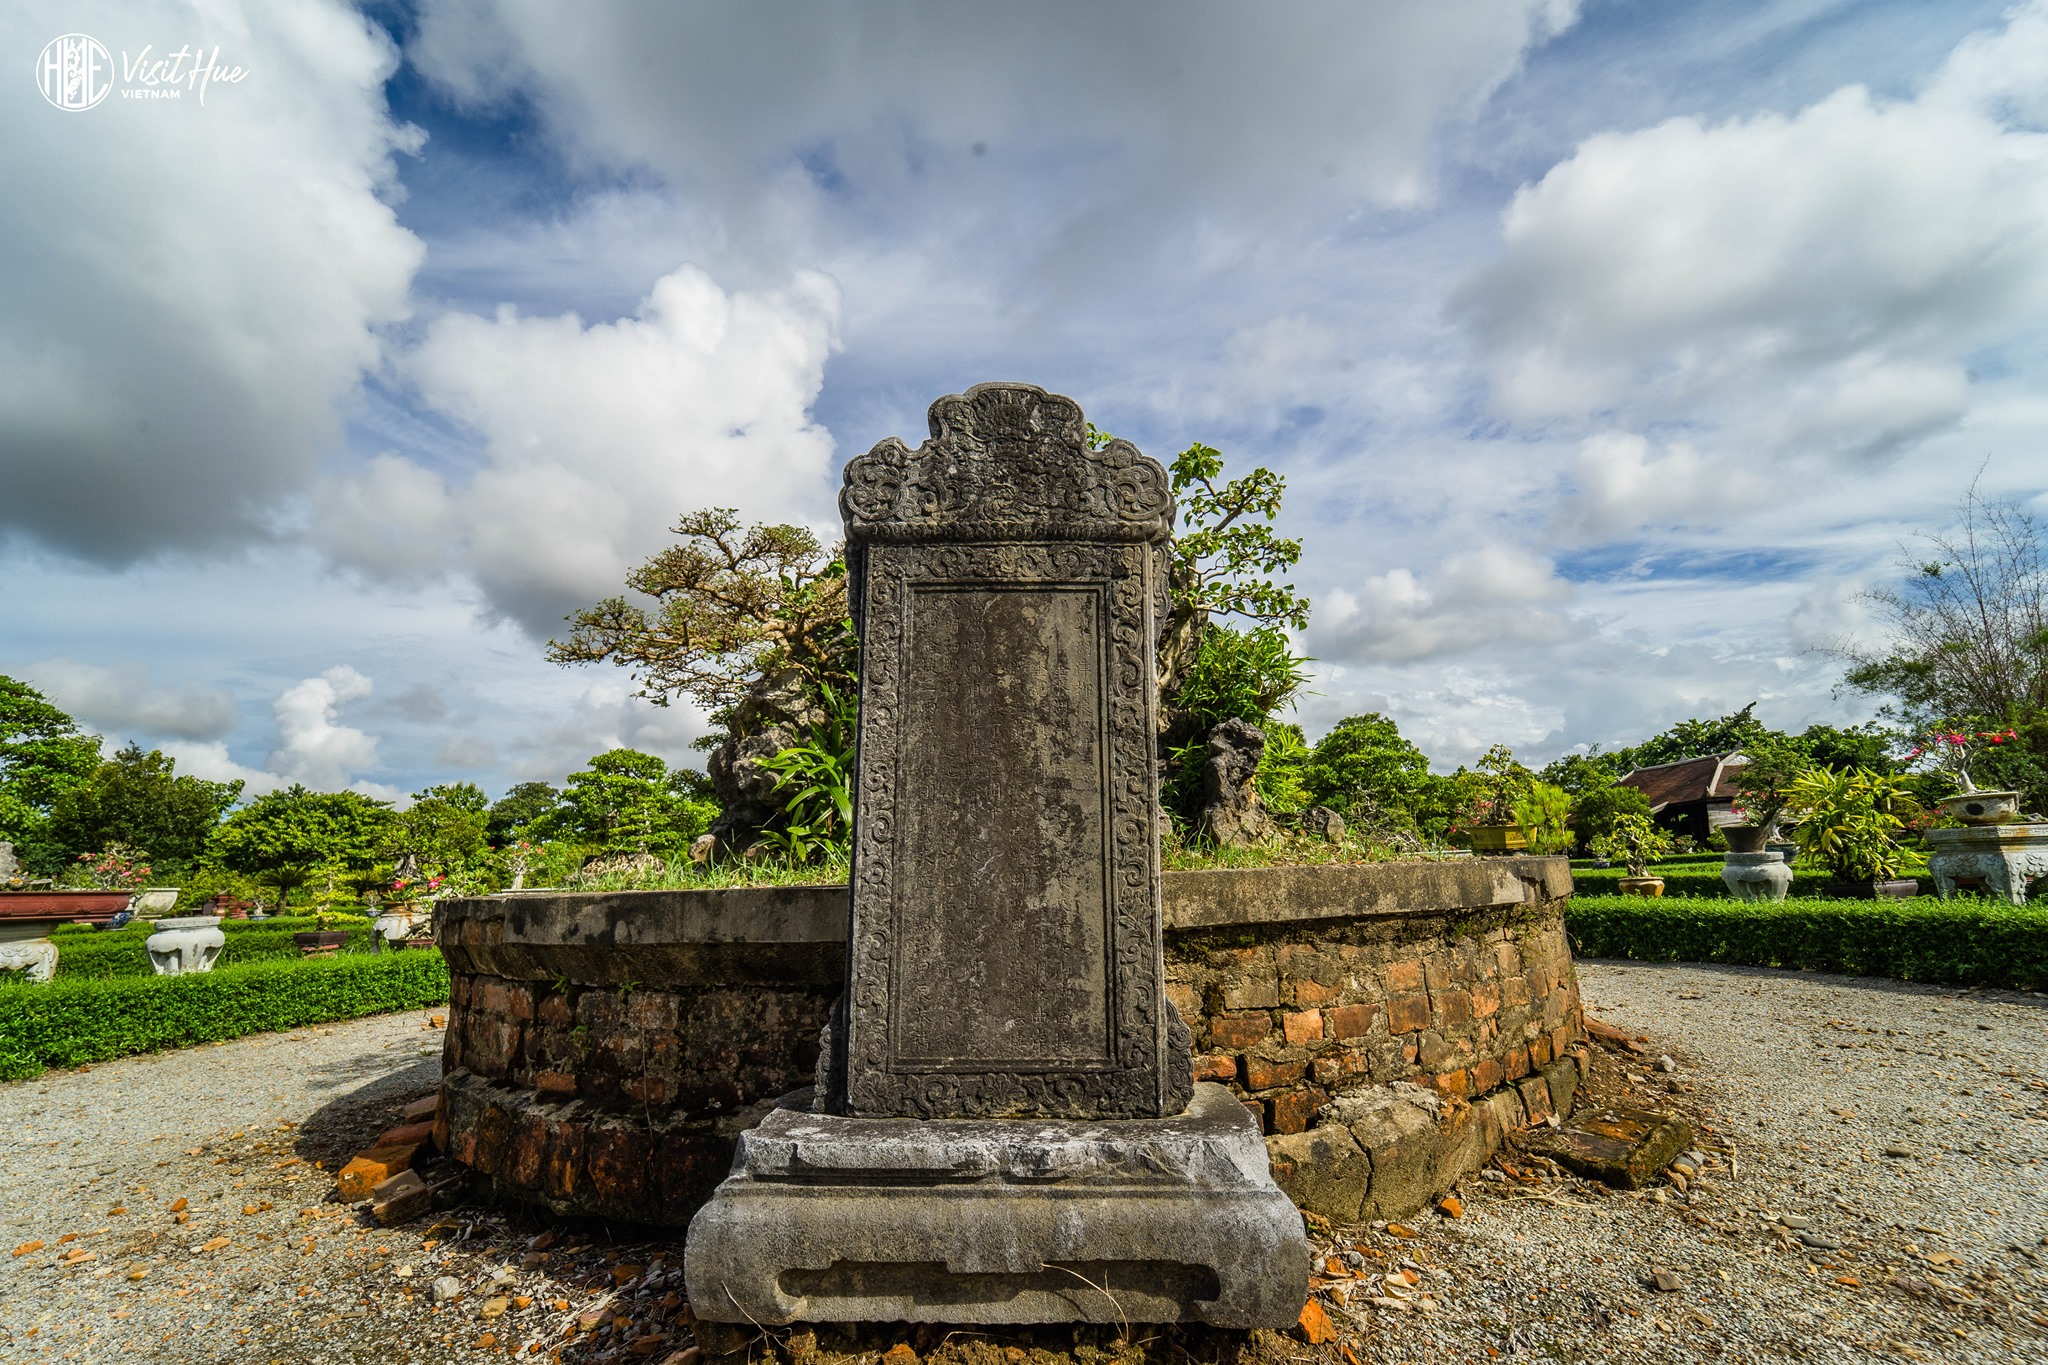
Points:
(1967, 942)
(1849, 821)
(96, 954)
(1544, 813)
(1283, 769)
(816, 782)
(1632, 840)
(627, 801)
(1700, 875)
(512, 814)
(1363, 767)
(1594, 813)
(65, 1023)
(1240, 675)
(446, 829)
(138, 799)
(283, 837)
(1763, 785)
(42, 756)
(1226, 551)
(1582, 774)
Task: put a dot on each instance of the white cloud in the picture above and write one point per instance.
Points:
(595, 438)
(213, 762)
(1618, 486)
(1477, 599)
(902, 97)
(313, 747)
(121, 698)
(1812, 285)
(188, 290)
(607, 716)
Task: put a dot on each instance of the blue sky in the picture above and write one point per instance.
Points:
(1611, 350)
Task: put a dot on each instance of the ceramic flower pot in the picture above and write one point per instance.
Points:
(1982, 808)
(1642, 886)
(1745, 838)
(1498, 839)
(320, 941)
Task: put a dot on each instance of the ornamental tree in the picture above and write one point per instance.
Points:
(138, 800)
(43, 754)
(283, 837)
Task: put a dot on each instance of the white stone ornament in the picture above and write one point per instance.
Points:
(185, 945)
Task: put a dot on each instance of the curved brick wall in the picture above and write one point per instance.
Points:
(1386, 1021)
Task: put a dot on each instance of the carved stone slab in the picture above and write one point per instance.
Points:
(1006, 956)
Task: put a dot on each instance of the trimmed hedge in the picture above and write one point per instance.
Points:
(1965, 942)
(64, 1023)
(1700, 881)
(96, 954)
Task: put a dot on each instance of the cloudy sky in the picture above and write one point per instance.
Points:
(1610, 349)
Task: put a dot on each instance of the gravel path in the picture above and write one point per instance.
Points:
(1800, 1084)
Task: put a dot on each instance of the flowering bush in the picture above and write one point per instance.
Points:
(114, 868)
(1950, 745)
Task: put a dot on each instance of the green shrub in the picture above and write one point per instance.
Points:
(65, 1023)
(87, 953)
(1968, 942)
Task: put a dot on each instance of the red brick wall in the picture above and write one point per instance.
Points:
(1297, 1013)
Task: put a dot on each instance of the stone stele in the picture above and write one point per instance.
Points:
(1003, 1130)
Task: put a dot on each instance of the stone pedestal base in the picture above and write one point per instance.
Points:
(185, 945)
(1760, 876)
(2002, 858)
(828, 1219)
(38, 956)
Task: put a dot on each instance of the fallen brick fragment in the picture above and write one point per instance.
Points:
(371, 1169)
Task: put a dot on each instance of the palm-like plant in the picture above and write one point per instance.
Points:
(1849, 821)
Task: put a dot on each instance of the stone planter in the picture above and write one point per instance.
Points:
(64, 907)
(1998, 859)
(1982, 808)
(1867, 889)
(1498, 839)
(1642, 886)
(392, 928)
(321, 942)
(185, 945)
(152, 901)
(1745, 838)
(1757, 876)
(601, 1045)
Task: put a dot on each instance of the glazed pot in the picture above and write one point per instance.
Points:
(1498, 839)
(1642, 886)
(1982, 808)
(1745, 838)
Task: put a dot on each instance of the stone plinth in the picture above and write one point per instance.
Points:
(2002, 858)
(1760, 876)
(36, 956)
(830, 1219)
(185, 945)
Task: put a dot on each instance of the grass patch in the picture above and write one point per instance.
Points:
(1963, 942)
(65, 1023)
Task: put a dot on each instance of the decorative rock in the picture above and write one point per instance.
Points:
(1624, 1147)
(1323, 823)
(185, 945)
(447, 1287)
(1761, 876)
(1231, 812)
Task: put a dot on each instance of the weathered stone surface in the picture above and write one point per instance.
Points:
(1625, 1147)
(1232, 814)
(2003, 859)
(831, 1219)
(185, 945)
(36, 956)
(1007, 936)
(1322, 1170)
(775, 715)
(1758, 876)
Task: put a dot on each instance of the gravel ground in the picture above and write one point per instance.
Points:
(1799, 1085)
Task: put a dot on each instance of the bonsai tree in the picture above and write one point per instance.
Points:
(1762, 785)
(1633, 840)
(1849, 821)
(1502, 783)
